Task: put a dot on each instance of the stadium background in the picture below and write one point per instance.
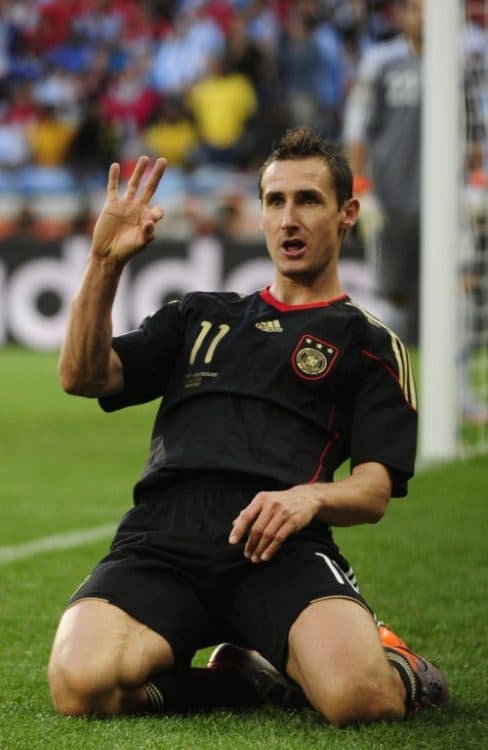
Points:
(87, 83)
(210, 84)
(90, 75)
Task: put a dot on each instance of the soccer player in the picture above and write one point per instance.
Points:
(230, 537)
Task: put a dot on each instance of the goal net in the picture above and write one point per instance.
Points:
(472, 406)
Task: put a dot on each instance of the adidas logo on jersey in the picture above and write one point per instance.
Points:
(270, 326)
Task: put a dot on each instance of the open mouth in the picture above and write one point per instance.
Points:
(293, 247)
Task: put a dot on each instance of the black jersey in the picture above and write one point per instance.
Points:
(255, 387)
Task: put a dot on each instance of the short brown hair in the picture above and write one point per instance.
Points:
(303, 143)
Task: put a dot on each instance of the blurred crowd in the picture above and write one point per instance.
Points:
(209, 84)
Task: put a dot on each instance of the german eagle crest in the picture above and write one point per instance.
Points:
(313, 358)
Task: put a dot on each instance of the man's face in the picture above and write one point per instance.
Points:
(300, 217)
(413, 20)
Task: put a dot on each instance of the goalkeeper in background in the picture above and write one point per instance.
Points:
(382, 134)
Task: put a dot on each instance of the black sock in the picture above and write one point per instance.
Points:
(196, 689)
(407, 675)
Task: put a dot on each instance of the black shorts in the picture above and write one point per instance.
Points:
(171, 567)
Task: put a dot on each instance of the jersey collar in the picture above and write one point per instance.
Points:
(266, 295)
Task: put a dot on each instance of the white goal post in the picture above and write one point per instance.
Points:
(454, 265)
(441, 167)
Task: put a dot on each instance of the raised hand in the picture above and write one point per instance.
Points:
(128, 223)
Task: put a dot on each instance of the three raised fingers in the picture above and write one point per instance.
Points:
(151, 183)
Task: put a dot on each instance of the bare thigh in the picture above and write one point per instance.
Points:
(101, 658)
(336, 656)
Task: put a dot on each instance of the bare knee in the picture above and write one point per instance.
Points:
(101, 659)
(345, 674)
(78, 688)
(359, 702)
(70, 692)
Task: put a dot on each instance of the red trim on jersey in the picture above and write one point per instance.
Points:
(392, 373)
(382, 361)
(327, 447)
(268, 297)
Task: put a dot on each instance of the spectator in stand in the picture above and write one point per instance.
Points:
(100, 21)
(223, 13)
(223, 105)
(93, 147)
(52, 24)
(58, 89)
(245, 55)
(183, 54)
(159, 14)
(14, 147)
(264, 22)
(258, 63)
(129, 95)
(22, 107)
(301, 69)
(313, 67)
(334, 77)
(129, 103)
(6, 33)
(172, 133)
(50, 138)
(18, 21)
(95, 78)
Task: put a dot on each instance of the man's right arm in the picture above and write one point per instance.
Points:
(88, 364)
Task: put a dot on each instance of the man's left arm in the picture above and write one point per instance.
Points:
(271, 517)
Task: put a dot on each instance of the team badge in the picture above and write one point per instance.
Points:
(313, 358)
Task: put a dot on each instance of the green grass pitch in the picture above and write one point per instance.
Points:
(66, 466)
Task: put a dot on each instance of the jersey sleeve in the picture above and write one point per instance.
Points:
(147, 355)
(384, 427)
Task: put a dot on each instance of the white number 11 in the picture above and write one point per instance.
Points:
(206, 328)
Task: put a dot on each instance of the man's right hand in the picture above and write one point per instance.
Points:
(126, 225)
